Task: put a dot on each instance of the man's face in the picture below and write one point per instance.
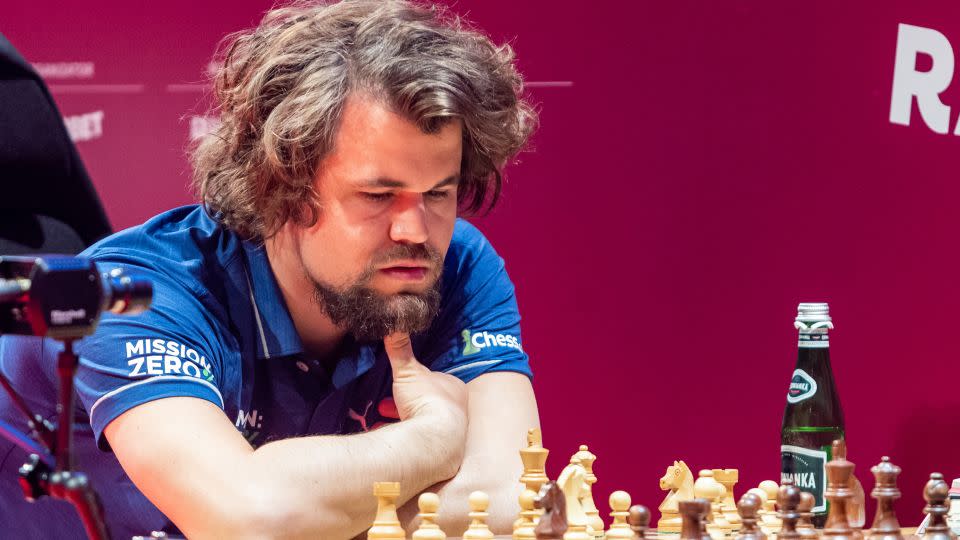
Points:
(388, 204)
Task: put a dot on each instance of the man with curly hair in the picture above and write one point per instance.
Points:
(324, 320)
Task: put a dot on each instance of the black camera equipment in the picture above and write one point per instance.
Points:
(62, 298)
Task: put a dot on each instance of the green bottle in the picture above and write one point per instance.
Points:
(812, 419)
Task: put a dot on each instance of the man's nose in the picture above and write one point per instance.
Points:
(409, 224)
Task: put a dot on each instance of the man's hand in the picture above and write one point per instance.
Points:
(419, 391)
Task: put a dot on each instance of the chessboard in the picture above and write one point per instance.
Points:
(908, 534)
(700, 509)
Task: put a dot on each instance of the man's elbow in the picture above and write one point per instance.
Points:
(503, 508)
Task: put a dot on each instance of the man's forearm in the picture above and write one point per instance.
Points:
(325, 484)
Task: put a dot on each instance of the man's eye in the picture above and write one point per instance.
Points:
(438, 194)
(378, 197)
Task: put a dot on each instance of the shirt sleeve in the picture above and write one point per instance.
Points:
(170, 350)
(478, 327)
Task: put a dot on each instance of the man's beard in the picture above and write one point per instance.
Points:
(369, 315)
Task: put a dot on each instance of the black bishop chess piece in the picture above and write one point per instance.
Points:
(788, 503)
(838, 493)
(749, 507)
(935, 493)
(639, 520)
(694, 519)
(885, 524)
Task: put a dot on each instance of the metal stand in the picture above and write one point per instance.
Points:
(63, 482)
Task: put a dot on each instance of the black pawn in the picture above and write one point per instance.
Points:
(639, 519)
(805, 525)
(749, 507)
(788, 504)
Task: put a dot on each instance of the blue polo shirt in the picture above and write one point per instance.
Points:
(219, 330)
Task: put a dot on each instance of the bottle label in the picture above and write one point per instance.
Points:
(807, 468)
(802, 387)
(814, 340)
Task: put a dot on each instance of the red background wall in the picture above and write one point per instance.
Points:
(703, 167)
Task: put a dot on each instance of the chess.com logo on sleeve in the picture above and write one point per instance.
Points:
(148, 357)
(474, 342)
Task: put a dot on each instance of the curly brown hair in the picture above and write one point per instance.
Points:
(282, 88)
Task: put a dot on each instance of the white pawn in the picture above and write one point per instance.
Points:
(429, 530)
(768, 490)
(708, 488)
(525, 528)
(619, 528)
(478, 530)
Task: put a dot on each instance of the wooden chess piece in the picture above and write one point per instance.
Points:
(639, 520)
(534, 458)
(728, 478)
(587, 459)
(524, 530)
(749, 508)
(619, 510)
(789, 501)
(805, 526)
(386, 524)
(953, 517)
(552, 524)
(857, 506)
(706, 487)
(936, 493)
(769, 522)
(679, 481)
(694, 514)
(572, 481)
(885, 524)
(478, 530)
(838, 493)
(428, 530)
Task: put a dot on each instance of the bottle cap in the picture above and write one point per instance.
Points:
(812, 312)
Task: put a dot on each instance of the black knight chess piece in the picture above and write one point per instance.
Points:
(553, 522)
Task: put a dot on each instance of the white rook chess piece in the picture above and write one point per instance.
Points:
(386, 526)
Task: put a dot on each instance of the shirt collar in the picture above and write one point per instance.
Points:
(276, 336)
(355, 361)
